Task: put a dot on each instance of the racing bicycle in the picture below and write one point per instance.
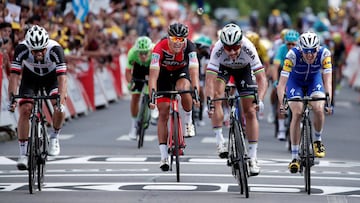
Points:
(37, 150)
(143, 117)
(176, 142)
(237, 149)
(306, 150)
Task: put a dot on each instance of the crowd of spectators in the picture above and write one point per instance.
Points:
(105, 32)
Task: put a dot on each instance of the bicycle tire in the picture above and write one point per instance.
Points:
(32, 162)
(307, 155)
(242, 161)
(176, 144)
(232, 158)
(143, 120)
(43, 146)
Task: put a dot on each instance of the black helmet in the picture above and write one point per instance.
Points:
(178, 30)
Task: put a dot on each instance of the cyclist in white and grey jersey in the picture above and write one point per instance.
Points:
(38, 62)
(234, 55)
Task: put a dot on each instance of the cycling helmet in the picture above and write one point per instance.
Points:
(178, 30)
(37, 37)
(231, 34)
(143, 44)
(253, 37)
(283, 32)
(203, 41)
(291, 36)
(309, 40)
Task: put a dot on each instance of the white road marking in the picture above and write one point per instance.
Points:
(147, 138)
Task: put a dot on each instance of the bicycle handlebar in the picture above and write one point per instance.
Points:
(307, 99)
(174, 92)
(35, 97)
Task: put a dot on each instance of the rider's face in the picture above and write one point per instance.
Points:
(232, 51)
(309, 55)
(144, 56)
(39, 54)
(176, 43)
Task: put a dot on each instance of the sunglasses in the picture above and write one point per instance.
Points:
(38, 50)
(176, 39)
(309, 51)
(232, 47)
(143, 53)
(291, 44)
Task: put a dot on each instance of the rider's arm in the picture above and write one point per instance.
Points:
(327, 72)
(16, 66)
(284, 76)
(129, 65)
(154, 72)
(57, 55)
(194, 69)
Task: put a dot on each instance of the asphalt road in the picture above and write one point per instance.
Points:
(98, 163)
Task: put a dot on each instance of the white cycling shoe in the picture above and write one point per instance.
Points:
(54, 147)
(22, 162)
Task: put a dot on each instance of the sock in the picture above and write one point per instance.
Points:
(318, 135)
(252, 149)
(163, 151)
(188, 117)
(295, 151)
(219, 135)
(55, 134)
(23, 147)
(281, 123)
(133, 122)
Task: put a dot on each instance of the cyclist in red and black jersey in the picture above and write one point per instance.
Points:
(174, 65)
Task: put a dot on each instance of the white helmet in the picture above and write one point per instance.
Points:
(37, 38)
(231, 34)
(309, 40)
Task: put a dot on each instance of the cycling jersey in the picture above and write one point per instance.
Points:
(302, 75)
(248, 57)
(54, 59)
(38, 74)
(139, 69)
(281, 55)
(163, 58)
(242, 68)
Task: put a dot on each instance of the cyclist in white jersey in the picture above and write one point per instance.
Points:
(38, 62)
(234, 55)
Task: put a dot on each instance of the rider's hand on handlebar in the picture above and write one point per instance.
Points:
(11, 106)
(152, 106)
(282, 109)
(329, 110)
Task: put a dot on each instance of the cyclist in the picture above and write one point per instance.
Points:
(138, 67)
(174, 63)
(39, 62)
(234, 55)
(203, 45)
(291, 39)
(307, 66)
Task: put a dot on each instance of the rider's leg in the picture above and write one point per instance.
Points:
(296, 109)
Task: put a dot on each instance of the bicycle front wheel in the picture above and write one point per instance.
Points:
(143, 123)
(176, 144)
(239, 158)
(306, 133)
(43, 146)
(32, 160)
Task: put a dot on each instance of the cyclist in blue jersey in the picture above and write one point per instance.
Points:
(306, 67)
(291, 39)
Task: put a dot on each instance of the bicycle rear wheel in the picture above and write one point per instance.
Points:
(307, 156)
(176, 144)
(32, 160)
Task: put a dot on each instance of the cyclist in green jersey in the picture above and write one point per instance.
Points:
(138, 68)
